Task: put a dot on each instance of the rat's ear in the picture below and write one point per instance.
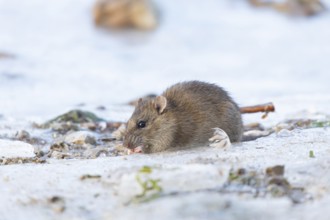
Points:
(140, 100)
(160, 104)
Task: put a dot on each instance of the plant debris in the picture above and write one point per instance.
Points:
(150, 187)
(301, 124)
(74, 116)
(83, 135)
(77, 120)
(292, 7)
(256, 130)
(21, 160)
(261, 184)
(89, 176)
(25, 136)
(76, 134)
(64, 150)
(57, 204)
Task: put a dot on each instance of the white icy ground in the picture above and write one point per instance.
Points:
(10, 149)
(26, 189)
(62, 60)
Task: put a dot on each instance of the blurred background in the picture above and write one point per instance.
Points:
(57, 55)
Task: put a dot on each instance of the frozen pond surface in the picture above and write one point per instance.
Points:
(61, 61)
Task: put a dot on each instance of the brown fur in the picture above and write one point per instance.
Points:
(184, 118)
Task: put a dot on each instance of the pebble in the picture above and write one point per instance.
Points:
(284, 133)
(22, 135)
(81, 138)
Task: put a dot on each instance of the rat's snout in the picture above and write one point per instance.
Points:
(129, 145)
(128, 141)
(131, 141)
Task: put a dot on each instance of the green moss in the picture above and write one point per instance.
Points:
(311, 154)
(145, 169)
(320, 124)
(74, 116)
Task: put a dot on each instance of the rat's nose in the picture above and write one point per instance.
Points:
(129, 145)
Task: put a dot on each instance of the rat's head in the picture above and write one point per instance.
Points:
(149, 129)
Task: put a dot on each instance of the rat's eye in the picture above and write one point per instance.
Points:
(141, 124)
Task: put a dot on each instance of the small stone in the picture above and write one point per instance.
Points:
(279, 181)
(284, 133)
(10, 149)
(281, 126)
(255, 134)
(80, 138)
(59, 155)
(297, 195)
(101, 108)
(57, 204)
(102, 125)
(96, 152)
(4, 55)
(275, 170)
(22, 135)
(89, 176)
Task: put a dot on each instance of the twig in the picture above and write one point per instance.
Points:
(268, 107)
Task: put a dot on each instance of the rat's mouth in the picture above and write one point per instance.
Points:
(138, 149)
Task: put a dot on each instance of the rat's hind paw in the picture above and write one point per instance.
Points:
(220, 139)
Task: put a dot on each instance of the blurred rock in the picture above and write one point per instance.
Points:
(75, 116)
(139, 14)
(255, 134)
(96, 152)
(101, 108)
(80, 138)
(254, 126)
(284, 133)
(4, 55)
(305, 7)
(72, 121)
(57, 204)
(22, 135)
(293, 7)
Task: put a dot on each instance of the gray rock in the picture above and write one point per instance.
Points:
(80, 138)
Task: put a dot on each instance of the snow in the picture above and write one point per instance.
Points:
(62, 61)
(9, 149)
(181, 171)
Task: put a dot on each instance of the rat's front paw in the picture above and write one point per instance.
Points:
(220, 139)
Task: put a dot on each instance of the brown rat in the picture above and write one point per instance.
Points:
(184, 115)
